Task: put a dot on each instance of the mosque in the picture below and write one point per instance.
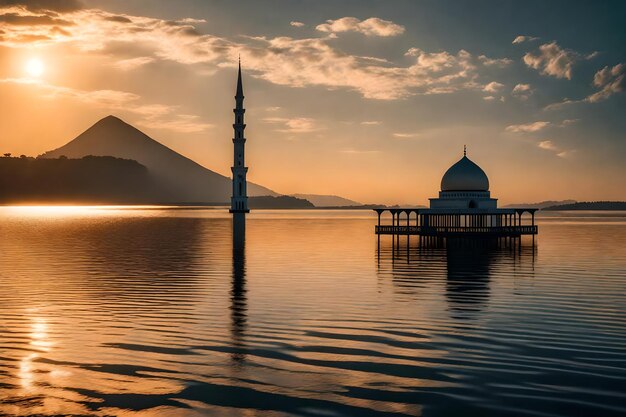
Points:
(464, 208)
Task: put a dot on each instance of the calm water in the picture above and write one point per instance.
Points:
(147, 312)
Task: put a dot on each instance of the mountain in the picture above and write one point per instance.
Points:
(280, 202)
(320, 200)
(540, 205)
(591, 205)
(180, 179)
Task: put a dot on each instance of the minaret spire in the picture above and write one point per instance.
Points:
(239, 198)
(239, 82)
(464, 150)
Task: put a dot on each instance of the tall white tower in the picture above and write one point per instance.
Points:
(239, 199)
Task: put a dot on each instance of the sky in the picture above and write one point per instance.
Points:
(369, 100)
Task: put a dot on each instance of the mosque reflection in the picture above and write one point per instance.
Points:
(466, 267)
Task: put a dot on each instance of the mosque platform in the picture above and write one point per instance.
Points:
(458, 223)
(464, 208)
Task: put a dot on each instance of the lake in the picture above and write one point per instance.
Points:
(148, 311)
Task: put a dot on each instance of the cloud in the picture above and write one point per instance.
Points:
(547, 145)
(17, 19)
(133, 63)
(521, 88)
(309, 62)
(522, 91)
(43, 5)
(563, 103)
(550, 146)
(157, 116)
(489, 98)
(566, 154)
(528, 127)
(406, 135)
(294, 125)
(313, 62)
(371, 122)
(369, 27)
(610, 81)
(552, 60)
(297, 24)
(522, 38)
(183, 123)
(493, 87)
(495, 62)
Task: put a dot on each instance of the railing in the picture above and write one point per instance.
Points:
(456, 230)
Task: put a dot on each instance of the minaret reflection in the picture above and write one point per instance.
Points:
(238, 300)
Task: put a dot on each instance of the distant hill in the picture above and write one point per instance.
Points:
(321, 200)
(591, 205)
(179, 178)
(91, 179)
(540, 205)
(280, 202)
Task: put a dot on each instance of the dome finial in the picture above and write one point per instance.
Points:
(464, 150)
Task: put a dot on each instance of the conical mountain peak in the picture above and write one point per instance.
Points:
(183, 180)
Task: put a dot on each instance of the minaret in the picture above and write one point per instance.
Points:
(239, 199)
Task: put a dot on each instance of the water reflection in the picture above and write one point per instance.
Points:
(238, 307)
(468, 264)
(163, 313)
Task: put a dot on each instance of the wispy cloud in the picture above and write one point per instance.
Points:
(561, 104)
(45, 5)
(550, 146)
(567, 122)
(183, 123)
(523, 38)
(405, 135)
(294, 125)
(279, 60)
(528, 127)
(133, 63)
(157, 116)
(495, 62)
(610, 81)
(371, 122)
(297, 24)
(373, 26)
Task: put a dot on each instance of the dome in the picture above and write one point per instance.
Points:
(465, 175)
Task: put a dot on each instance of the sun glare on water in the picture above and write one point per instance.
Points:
(34, 67)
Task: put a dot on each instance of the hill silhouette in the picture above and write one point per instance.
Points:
(91, 179)
(323, 200)
(178, 179)
(541, 204)
(590, 205)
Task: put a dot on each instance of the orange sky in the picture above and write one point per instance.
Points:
(363, 108)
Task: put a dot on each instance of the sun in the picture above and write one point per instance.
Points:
(34, 67)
